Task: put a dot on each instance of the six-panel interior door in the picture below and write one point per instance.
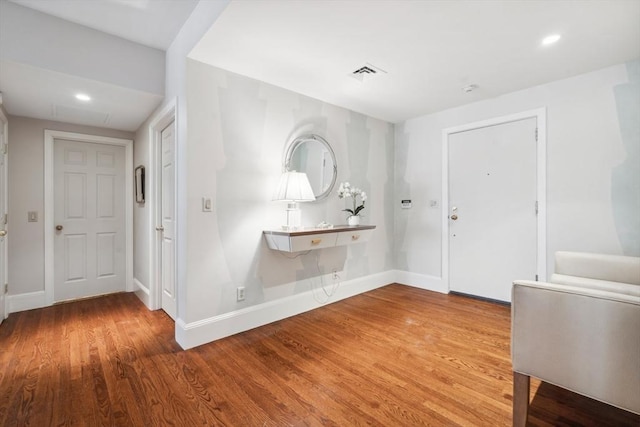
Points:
(3, 222)
(89, 215)
(492, 208)
(167, 261)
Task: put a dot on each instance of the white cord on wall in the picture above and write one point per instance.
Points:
(328, 294)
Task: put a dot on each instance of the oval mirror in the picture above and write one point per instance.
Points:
(313, 155)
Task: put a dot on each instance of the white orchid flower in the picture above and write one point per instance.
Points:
(345, 191)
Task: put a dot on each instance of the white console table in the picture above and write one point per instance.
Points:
(317, 238)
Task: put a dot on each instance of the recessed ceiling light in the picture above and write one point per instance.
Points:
(550, 39)
(83, 97)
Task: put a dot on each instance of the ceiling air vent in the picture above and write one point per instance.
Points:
(367, 70)
(65, 113)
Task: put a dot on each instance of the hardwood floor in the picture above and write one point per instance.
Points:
(396, 356)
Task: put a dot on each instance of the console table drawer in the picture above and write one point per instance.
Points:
(355, 236)
(317, 241)
(300, 243)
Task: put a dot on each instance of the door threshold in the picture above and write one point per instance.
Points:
(495, 301)
(88, 298)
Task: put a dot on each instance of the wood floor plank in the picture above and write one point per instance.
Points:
(396, 356)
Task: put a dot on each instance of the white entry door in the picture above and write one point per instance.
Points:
(492, 208)
(167, 227)
(89, 218)
(3, 221)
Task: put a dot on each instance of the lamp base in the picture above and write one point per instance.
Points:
(294, 217)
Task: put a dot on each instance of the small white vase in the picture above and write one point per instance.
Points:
(353, 220)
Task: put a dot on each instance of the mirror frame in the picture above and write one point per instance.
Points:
(312, 137)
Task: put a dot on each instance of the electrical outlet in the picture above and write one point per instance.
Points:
(335, 275)
(240, 293)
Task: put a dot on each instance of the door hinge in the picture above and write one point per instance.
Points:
(5, 148)
(5, 219)
(6, 288)
(536, 277)
(536, 207)
(536, 134)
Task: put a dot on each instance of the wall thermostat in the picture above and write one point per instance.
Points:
(406, 204)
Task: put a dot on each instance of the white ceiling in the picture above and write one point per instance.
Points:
(44, 94)
(429, 49)
(152, 23)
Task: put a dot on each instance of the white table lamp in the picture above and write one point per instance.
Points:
(294, 187)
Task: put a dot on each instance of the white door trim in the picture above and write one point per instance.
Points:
(4, 123)
(541, 182)
(49, 137)
(164, 117)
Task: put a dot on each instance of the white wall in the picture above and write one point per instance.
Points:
(142, 222)
(26, 193)
(44, 41)
(200, 20)
(593, 166)
(238, 130)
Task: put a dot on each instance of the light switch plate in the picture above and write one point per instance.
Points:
(32, 216)
(207, 204)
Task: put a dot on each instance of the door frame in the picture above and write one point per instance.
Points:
(49, 233)
(4, 128)
(168, 114)
(541, 185)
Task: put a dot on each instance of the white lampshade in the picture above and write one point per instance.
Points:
(294, 187)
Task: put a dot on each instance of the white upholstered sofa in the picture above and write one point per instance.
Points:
(581, 331)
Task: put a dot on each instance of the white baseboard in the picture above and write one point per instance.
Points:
(193, 334)
(33, 300)
(422, 281)
(27, 301)
(143, 293)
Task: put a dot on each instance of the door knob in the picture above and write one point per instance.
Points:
(3, 233)
(59, 227)
(454, 217)
(159, 228)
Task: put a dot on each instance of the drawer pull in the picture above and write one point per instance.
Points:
(355, 237)
(316, 241)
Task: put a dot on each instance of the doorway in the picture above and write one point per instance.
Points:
(89, 217)
(163, 215)
(494, 205)
(167, 227)
(81, 187)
